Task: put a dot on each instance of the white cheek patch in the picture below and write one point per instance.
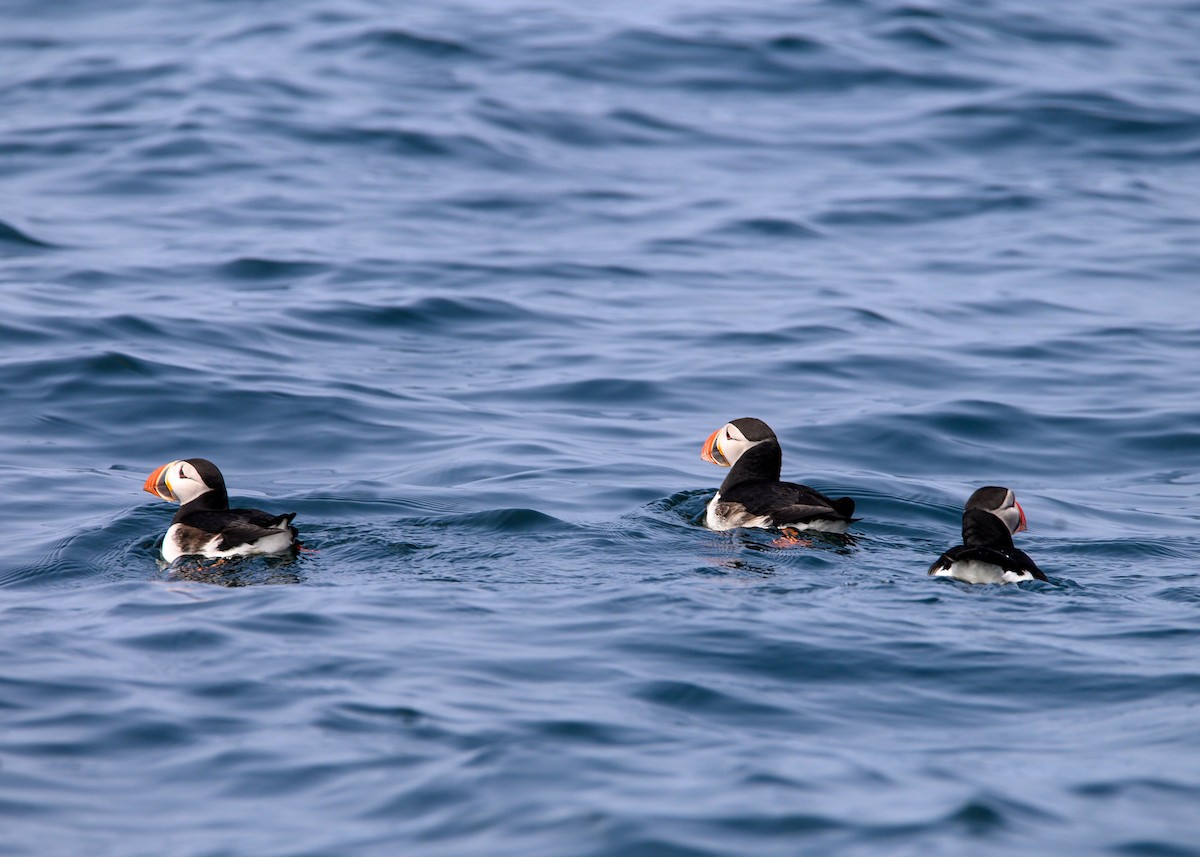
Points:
(734, 449)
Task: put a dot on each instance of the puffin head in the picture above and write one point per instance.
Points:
(185, 480)
(1002, 503)
(731, 441)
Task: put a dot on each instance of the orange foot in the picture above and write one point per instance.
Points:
(302, 549)
(791, 539)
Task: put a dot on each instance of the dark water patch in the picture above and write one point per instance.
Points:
(976, 437)
(488, 318)
(499, 521)
(405, 142)
(246, 696)
(798, 335)
(182, 147)
(98, 73)
(151, 736)
(69, 378)
(280, 780)
(98, 278)
(777, 824)
(65, 140)
(253, 32)
(616, 128)
(1152, 848)
(250, 269)
(179, 641)
(697, 699)
(658, 125)
(967, 28)
(136, 183)
(910, 210)
(767, 228)
(637, 844)
(1039, 28)
(1102, 122)
(553, 271)
(396, 43)
(18, 333)
(29, 42)
(271, 95)
(359, 718)
(291, 623)
(1118, 788)
(921, 35)
(795, 44)
(1182, 594)
(506, 203)
(15, 239)
(35, 694)
(587, 733)
(607, 394)
(711, 64)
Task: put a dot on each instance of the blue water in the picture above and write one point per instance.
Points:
(466, 285)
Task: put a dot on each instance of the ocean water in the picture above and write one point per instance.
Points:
(465, 285)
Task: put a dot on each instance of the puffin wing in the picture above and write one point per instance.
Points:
(943, 562)
(799, 513)
(1024, 562)
(1010, 559)
(240, 527)
(267, 521)
(789, 503)
(808, 504)
(238, 534)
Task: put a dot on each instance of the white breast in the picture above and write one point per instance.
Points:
(974, 571)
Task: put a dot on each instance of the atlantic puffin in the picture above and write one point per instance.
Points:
(991, 518)
(205, 525)
(753, 496)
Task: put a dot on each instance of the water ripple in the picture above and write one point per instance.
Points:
(466, 286)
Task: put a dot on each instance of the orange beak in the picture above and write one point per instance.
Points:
(711, 451)
(156, 484)
(1022, 525)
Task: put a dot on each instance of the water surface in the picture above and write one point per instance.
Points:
(465, 287)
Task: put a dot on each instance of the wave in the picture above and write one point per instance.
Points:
(16, 239)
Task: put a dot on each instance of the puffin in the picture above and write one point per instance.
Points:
(991, 517)
(753, 496)
(205, 525)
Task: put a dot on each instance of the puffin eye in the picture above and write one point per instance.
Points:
(181, 476)
(728, 436)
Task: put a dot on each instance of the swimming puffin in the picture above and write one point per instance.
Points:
(205, 525)
(990, 519)
(753, 496)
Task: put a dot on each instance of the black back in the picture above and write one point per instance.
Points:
(986, 539)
